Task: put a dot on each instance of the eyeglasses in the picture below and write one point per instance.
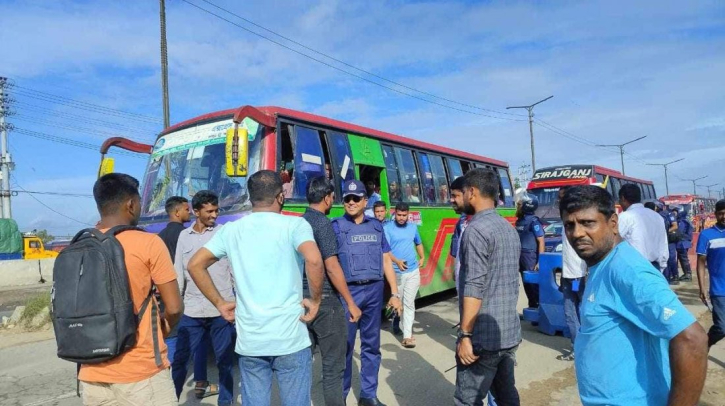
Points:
(354, 198)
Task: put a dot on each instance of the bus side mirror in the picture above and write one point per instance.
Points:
(106, 167)
(237, 152)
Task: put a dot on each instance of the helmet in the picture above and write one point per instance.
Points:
(529, 206)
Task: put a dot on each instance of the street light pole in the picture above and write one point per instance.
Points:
(667, 184)
(694, 186)
(530, 109)
(621, 149)
(708, 188)
(164, 63)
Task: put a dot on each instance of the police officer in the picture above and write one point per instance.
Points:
(364, 256)
(531, 234)
(684, 228)
(671, 228)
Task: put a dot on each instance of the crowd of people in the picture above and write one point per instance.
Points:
(268, 290)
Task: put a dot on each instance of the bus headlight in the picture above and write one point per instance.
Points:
(558, 248)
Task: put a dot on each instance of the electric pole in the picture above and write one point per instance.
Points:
(708, 188)
(694, 186)
(6, 160)
(164, 64)
(621, 149)
(667, 184)
(531, 127)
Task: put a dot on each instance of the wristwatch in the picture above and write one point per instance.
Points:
(464, 334)
(396, 295)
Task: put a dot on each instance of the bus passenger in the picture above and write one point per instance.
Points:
(363, 251)
(531, 235)
(394, 192)
(414, 193)
(373, 197)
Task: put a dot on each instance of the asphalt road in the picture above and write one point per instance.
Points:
(31, 374)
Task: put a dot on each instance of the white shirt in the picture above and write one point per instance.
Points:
(574, 267)
(644, 229)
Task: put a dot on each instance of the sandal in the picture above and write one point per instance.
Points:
(205, 389)
(408, 342)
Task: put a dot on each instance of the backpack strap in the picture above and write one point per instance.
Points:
(154, 324)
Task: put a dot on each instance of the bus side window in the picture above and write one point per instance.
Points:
(307, 160)
(652, 191)
(395, 194)
(408, 175)
(466, 166)
(433, 177)
(615, 188)
(454, 168)
(506, 189)
(343, 165)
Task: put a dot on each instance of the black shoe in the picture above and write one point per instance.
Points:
(686, 278)
(674, 282)
(369, 402)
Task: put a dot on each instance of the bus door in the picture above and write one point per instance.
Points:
(369, 164)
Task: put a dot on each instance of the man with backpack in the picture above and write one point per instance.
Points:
(125, 326)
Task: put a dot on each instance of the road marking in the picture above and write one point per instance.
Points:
(59, 397)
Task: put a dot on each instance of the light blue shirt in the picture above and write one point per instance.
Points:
(628, 315)
(402, 242)
(262, 248)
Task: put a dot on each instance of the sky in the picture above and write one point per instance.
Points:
(89, 70)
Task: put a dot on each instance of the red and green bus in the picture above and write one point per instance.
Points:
(700, 210)
(546, 182)
(191, 156)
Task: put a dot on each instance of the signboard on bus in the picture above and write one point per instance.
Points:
(564, 172)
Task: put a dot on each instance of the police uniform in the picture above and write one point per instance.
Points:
(529, 229)
(360, 251)
(684, 245)
(671, 270)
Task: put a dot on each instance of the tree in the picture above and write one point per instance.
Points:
(44, 236)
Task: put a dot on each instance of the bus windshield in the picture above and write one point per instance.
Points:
(192, 159)
(548, 203)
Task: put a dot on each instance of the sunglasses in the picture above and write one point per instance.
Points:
(353, 198)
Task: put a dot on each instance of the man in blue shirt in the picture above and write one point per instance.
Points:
(404, 241)
(711, 253)
(363, 254)
(268, 252)
(372, 195)
(637, 345)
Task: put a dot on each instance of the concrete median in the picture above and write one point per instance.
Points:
(23, 272)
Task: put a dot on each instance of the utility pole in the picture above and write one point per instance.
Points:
(694, 185)
(621, 149)
(6, 160)
(667, 184)
(531, 127)
(708, 188)
(164, 64)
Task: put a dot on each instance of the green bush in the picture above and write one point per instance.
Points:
(34, 306)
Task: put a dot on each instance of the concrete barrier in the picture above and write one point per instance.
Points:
(23, 272)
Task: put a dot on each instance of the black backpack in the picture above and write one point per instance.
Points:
(91, 305)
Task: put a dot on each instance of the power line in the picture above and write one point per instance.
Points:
(59, 124)
(48, 97)
(71, 142)
(348, 64)
(32, 192)
(345, 71)
(50, 208)
(81, 118)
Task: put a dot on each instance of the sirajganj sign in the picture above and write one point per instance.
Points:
(564, 172)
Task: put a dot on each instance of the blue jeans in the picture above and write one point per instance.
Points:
(293, 374)
(199, 357)
(189, 337)
(717, 331)
(369, 298)
(572, 302)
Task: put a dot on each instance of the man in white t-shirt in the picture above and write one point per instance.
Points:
(572, 285)
(642, 228)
